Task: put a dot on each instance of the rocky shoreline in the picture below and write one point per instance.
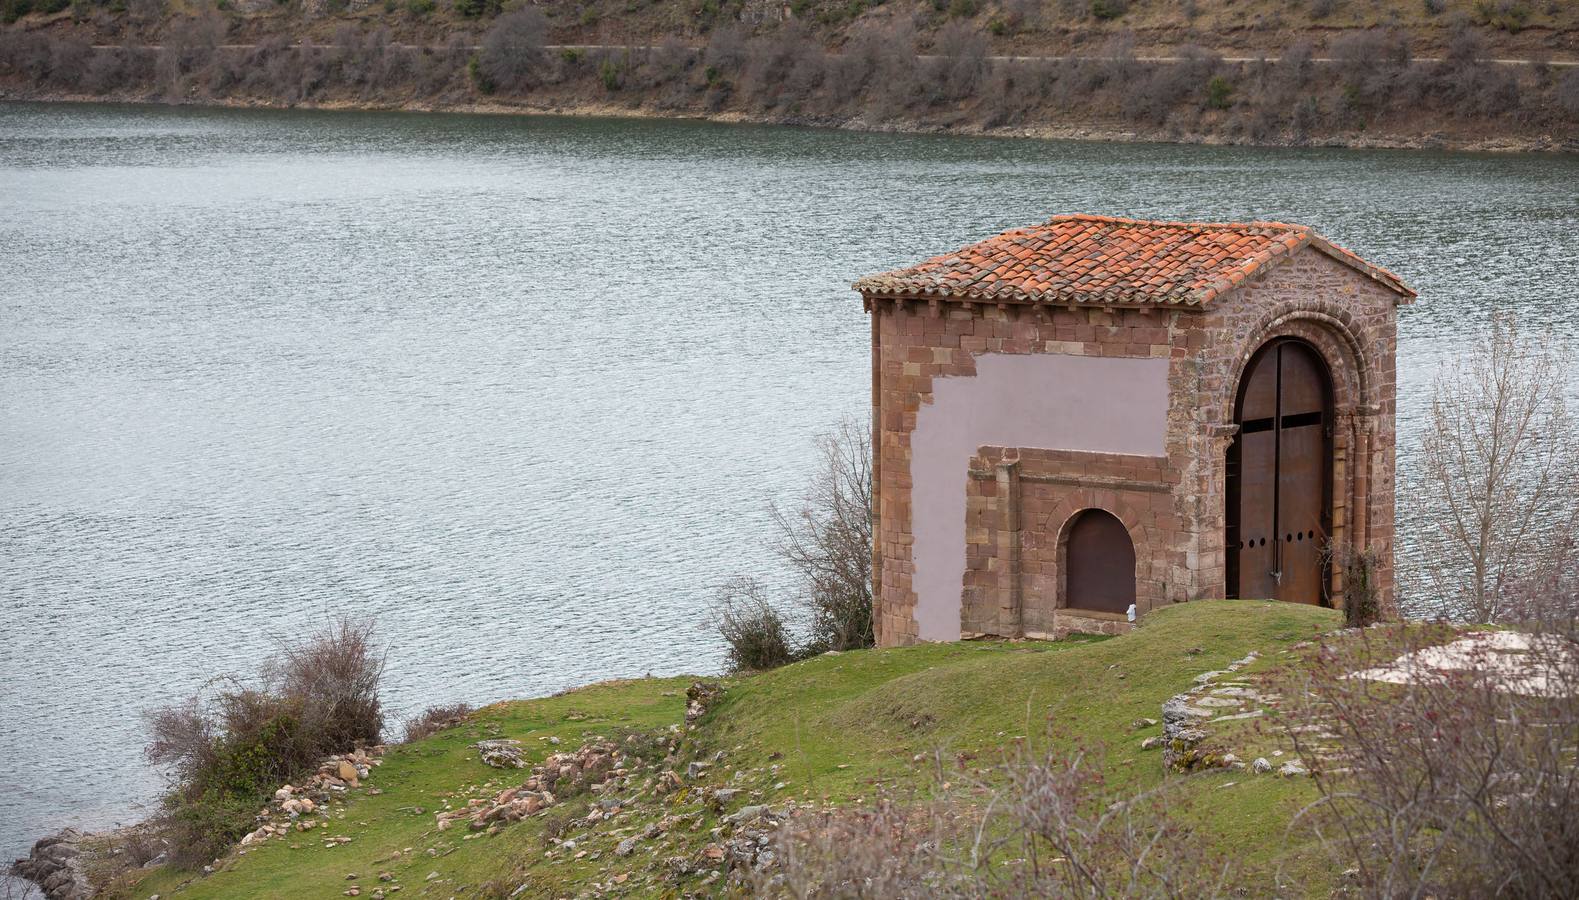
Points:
(76, 865)
(1068, 131)
(55, 864)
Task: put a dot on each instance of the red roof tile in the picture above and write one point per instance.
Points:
(1105, 260)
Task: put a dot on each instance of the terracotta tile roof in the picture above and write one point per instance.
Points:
(1105, 260)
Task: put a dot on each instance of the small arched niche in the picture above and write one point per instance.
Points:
(1099, 563)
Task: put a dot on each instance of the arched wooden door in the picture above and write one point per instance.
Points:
(1100, 563)
(1280, 476)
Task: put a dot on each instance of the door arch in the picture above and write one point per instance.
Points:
(1279, 476)
(1099, 563)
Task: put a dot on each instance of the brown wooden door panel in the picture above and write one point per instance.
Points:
(1302, 381)
(1259, 400)
(1258, 476)
(1280, 468)
(1101, 563)
(1300, 501)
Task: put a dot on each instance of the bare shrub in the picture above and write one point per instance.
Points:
(1294, 67)
(669, 61)
(512, 54)
(827, 540)
(361, 58)
(1050, 827)
(1013, 90)
(1373, 68)
(146, 11)
(1361, 603)
(435, 719)
(1496, 497)
(783, 67)
(755, 632)
(26, 53)
(1022, 15)
(333, 676)
(885, 850)
(189, 46)
(1458, 782)
(1165, 86)
(437, 70)
(106, 71)
(1080, 78)
(726, 49)
(181, 740)
(1508, 15)
(68, 62)
(961, 60)
(861, 58)
(896, 80)
(224, 754)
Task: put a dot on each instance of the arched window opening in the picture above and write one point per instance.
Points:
(1100, 562)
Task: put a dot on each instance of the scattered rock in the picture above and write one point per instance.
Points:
(1261, 765)
(748, 814)
(700, 697)
(599, 765)
(1151, 743)
(501, 754)
(1252, 714)
(1292, 769)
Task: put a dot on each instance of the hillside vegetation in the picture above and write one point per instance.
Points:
(1495, 74)
(840, 730)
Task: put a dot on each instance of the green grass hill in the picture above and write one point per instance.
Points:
(839, 730)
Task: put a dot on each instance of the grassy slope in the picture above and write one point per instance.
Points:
(847, 727)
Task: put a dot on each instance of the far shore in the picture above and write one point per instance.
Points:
(1096, 132)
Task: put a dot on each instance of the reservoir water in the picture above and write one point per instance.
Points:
(520, 388)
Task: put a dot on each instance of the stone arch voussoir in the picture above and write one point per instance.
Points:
(1336, 336)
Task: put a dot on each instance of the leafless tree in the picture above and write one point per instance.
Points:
(826, 539)
(1497, 493)
(512, 52)
(961, 60)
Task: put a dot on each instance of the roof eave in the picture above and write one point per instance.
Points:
(872, 294)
